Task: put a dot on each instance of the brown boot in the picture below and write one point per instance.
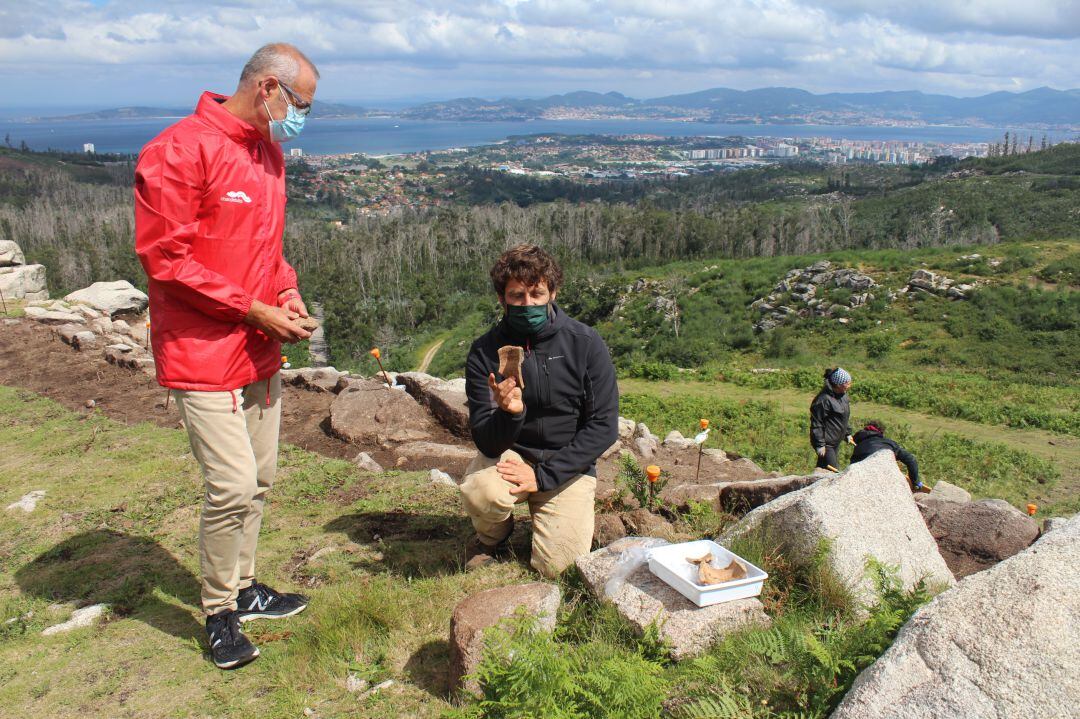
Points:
(478, 554)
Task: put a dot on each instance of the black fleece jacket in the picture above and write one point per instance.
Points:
(829, 416)
(867, 442)
(571, 399)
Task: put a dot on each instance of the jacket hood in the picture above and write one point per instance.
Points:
(864, 434)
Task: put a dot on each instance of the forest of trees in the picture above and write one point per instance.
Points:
(382, 279)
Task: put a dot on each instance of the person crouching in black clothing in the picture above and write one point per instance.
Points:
(830, 413)
(872, 439)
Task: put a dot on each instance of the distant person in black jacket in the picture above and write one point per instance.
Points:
(538, 443)
(830, 413)
(872, 439)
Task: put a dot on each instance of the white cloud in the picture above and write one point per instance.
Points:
(644, 47)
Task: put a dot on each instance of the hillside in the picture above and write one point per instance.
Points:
(670, 272)
(115, 526)
(1042, 107)
(721, 298)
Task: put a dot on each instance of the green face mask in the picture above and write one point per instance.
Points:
(527, 320)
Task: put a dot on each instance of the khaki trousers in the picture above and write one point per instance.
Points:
(562, 518)
(234, 437)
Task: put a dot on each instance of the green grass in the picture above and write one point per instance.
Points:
(800, 665)
(119, 525)
(778, 440)
(1008, 356)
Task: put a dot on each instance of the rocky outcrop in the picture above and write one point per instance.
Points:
(316, 379)
(52, 317)
(447, 401)
(366, 463)
(805, 293)
(111, 298)
(18, 280)
(487, 609)
(644, 442)
(644, 599)
(11, 255)
(740, 469)
(368, 411)
(1002, 644)
(450, 408)
(932, 283)
(681, 496)
(741, 497)
(973, 536)
(607, 528)
(863, 513)
(435, 452)
(676, 440)
(945, 492)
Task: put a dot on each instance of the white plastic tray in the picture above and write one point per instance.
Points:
(669, 563)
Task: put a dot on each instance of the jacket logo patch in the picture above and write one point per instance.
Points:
(236, 196)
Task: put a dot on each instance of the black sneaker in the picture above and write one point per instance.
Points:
(261, 602)
(228, 645)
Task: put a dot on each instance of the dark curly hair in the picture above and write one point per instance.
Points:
(529, 264)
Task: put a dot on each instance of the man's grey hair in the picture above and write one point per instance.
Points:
(279, 59)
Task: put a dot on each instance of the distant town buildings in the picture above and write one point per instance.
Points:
(727, 153)
(391, 184)
(88, 148)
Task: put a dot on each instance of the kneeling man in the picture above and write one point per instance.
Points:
(539, 430)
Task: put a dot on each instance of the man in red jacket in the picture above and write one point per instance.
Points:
(209, 219)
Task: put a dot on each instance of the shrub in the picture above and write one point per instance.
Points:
(781, 344)
(879, 345)
(1064, 271)
(653, 370)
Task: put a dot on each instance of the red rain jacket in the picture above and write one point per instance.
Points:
(209, 219)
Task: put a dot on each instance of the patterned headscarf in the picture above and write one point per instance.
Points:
(839, 377)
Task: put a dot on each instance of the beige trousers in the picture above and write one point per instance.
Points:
(562, 518)
(234, 437)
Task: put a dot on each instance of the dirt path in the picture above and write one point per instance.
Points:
(430, 355)
(1063, 450)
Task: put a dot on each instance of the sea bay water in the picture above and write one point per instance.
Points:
(388, 135)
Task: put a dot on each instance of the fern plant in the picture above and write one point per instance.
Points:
(803, 664)
(526, 673)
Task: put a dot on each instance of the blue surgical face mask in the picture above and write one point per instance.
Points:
(290, 127)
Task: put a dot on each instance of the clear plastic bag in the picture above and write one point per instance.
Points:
(633, 553)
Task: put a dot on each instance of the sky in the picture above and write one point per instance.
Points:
(382, 53)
